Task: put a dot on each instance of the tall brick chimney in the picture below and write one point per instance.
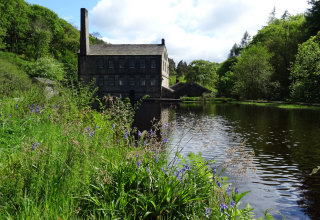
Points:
(84, 33)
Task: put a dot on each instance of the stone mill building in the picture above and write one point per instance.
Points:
(123, 70)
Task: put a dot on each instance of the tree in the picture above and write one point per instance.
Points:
(305, 72)
(46, 67)
(272, 15)
(252, 72)
(235, 51)
(182, 68)
(245, 40)
(313, 17)
(203, 72)
(282, 37)
(172, 67)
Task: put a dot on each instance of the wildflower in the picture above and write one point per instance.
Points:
(36, 144)
(222, 179)
(236, 191)
(137, 156)
(91, 134)
(178, 173)
(214, 169)
(233, 204)
(219, 184)
(126, 135)
(186, 167)
(151, 132)
(164, 170)
(38, 109)
(166, 125)
(208, 212)
(139, 163)
(223, 207)
(157, 159)
(147, 169)
(0, 115)
(113, 125)
(55, 107)
(9, 116)
(139, 133)
(165, 141)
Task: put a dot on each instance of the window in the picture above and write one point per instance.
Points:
(132, 82)
(121, 82)
(153, 82)
(99, 63)
(153, 64)
(111, 81)
(142, 64)
(131, 64)
(110, 64)
(142, 82)
(121, 64)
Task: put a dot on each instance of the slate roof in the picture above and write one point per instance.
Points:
(127, 49)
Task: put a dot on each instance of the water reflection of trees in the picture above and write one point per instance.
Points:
(292, 135)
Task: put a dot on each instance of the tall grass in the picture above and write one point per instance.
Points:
(60, 159)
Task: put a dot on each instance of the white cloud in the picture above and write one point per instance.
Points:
(193, 29)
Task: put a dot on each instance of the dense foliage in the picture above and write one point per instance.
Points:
(305, 72)
(34, 31)
(60, 159)
(252, 72)
(294, 72)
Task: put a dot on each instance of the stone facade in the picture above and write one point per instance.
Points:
(123, 70)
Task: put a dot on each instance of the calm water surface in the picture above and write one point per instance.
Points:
(286, 146)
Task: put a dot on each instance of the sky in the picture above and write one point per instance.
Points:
(192, 29)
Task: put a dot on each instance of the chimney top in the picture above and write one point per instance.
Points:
(163, 41)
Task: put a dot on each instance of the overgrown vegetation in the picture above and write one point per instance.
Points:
(34, 32)
(60, 158)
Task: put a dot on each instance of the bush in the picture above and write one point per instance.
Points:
(46, 67)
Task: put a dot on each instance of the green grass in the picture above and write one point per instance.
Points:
(59, 159)
(281, 105)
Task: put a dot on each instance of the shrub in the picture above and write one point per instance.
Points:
(46, 67)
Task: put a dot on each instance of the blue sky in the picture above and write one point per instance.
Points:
(193, 29)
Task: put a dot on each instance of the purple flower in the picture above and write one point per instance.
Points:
(113, 125)
(222, 179)
(35, 145)
(9, 116)
(223, 207)
(137, 156)
(208, 212)
(219, 184)
(165, 141)
(166, 125)
(126, 135)
(233, 204)
(157, 160)
(186, 167)
(164, 170)
(0, 115)
(236, 191)
(151, 132)
(139, 133)
(139, 163)
(91, 134)
(147, 169)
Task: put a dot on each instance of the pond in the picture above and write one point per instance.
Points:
(267, 150)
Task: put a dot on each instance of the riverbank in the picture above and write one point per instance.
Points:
(59, 158)
(277, 104)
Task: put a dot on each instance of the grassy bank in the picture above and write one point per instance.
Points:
(60, 159)
(283, 105)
